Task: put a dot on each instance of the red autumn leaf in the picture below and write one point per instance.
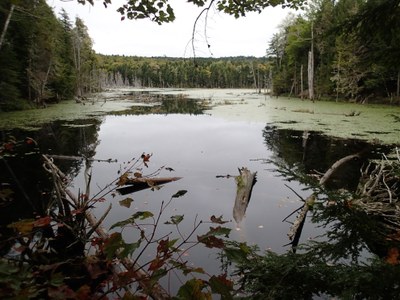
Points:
(30, 141)
(77, 211)
(83, 292)
(211, 241)
(84, 197)
(42, 222)
(221, 285)
(100, 200)
(96, 241)
(9, 146)
(156, 264)
(393, 256)
(146, 157)
(61, 292)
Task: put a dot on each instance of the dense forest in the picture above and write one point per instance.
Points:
(335, 49)
(42, 57)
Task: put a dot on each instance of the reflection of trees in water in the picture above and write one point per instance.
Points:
(297, 159)
(22, 176)
(366, 218)
(75, 138)
(310, 152)
(164, 104)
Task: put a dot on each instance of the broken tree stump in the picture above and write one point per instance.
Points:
(245, 182)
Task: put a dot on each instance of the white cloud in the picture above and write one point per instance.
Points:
(227, 36)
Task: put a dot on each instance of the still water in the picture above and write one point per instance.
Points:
(202, 149)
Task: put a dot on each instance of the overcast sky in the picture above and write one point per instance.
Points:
(226, 35)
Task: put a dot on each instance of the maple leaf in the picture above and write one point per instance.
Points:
(211, 241)
(222, 286)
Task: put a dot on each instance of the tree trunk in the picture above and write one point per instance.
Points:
(301, 82)
(254, 76)
(3, 34)
(311, 66)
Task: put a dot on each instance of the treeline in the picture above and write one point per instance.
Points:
(337, 49)
(229, 72)
(349, 49)
(42, 57)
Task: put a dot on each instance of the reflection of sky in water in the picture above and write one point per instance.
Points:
(198, 148)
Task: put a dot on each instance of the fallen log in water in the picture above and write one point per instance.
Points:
(154, 290)
(245, 182)
(132, 185)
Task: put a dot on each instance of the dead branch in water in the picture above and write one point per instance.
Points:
(378, 193)
(296, 228)
(142, 277)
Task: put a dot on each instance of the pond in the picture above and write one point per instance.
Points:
(204, 137)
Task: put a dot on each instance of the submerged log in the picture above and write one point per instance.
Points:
(245, 182)
(137, 184)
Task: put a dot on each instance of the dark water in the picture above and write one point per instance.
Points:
(199, 148)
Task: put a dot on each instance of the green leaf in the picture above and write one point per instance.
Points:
(175, 220)
(113, 244)
(192, 289)
(142, 215)
(179, 194)
(126, 202)
(219, 231)
(238, 254)
(128, 249)
(210, 238)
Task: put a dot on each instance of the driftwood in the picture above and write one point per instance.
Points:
(296, 228)
(245, 182)
(137, 184)
(73, 157)
(153, 289)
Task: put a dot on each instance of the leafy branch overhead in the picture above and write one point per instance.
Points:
(160, 11)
